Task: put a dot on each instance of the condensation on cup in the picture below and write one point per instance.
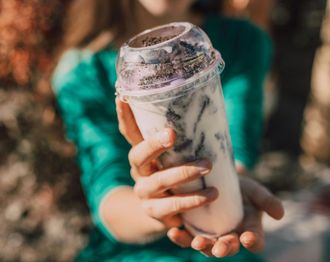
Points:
(170, 76)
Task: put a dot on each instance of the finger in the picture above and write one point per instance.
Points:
(161, 181)
(226, 245)
(127, 124)
(172, 205)
(148, 169)
(180, 237)
(263, 199)
(135, 174)
(172, 221)
(252, 237)
(204, 245)
(207, 252)
(143, 153)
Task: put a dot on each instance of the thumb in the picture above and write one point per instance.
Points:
(127, 124)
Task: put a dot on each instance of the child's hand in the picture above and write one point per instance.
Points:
(256, 199)
(152, 185)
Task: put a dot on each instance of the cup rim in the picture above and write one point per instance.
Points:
(218, 64)
(187, 27)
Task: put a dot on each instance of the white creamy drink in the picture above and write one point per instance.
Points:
(170, 76)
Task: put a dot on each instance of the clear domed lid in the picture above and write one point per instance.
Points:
(164, 55)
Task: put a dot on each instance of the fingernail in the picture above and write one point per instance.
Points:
(211, 192)
(217, 253)
(204, 166)
(196, 243)
(164, 138)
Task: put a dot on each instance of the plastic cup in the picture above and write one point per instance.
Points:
(170, 76)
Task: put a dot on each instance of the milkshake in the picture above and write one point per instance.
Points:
(170, 76)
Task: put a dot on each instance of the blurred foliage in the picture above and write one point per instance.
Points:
(44, 215)
(29, 30)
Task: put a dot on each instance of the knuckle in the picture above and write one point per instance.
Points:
(159, 181)
(140, 189)
(176, 205)
(197, 200)
(154, 144)
(185, 173)
(131, 156)
(134, 173)
(149, 209)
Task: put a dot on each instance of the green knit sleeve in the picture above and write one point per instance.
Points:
(247, 51)
(86, 102)
(243, 91)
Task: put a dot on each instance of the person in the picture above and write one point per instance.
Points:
(119, 177)
(258, 11)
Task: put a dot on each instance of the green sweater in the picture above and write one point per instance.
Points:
(84, 86)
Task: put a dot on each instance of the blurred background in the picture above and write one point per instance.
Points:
(43, 214)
